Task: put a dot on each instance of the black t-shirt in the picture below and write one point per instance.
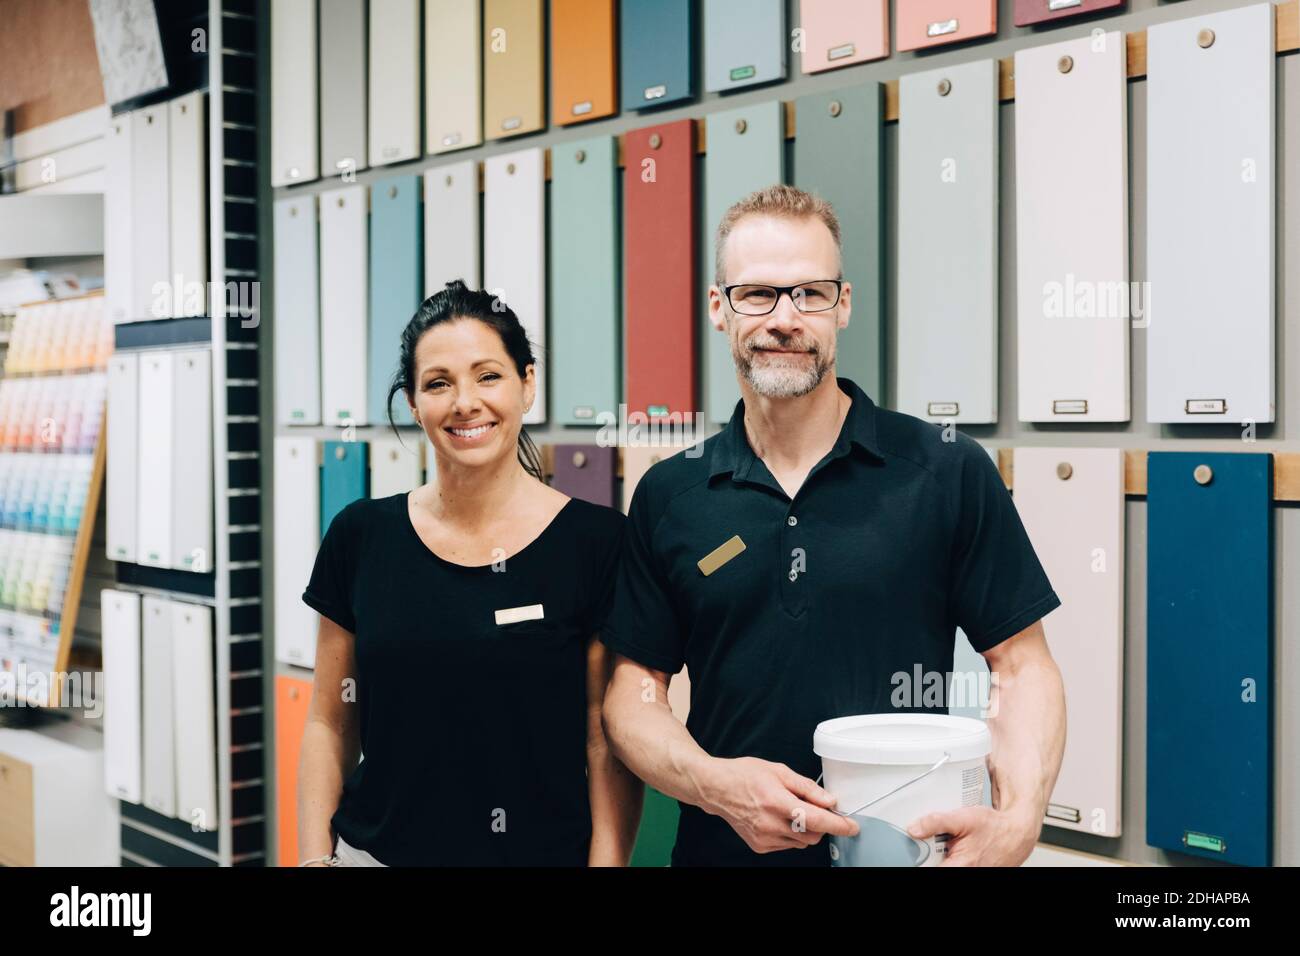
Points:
(473, 733)
(845, 600)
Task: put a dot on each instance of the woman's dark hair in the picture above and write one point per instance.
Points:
(456, 301)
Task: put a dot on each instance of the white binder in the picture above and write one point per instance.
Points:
(119, 246)
(395, 465)
(150, 216)
(1072, 231)
(453, 74)
(155, 469)
(1071, 501)
(196, 743)
(948, 243)
(187, 179)
(191, 449)
(344, 281)
(122, 456)
(451, 226)
(159, 707)
(1210, 209)
(120, 644)
(394, 107)
(514, 249)
(294, 131)
(297, 312)
(297, 538)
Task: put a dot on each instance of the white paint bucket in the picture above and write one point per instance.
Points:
(886, 770)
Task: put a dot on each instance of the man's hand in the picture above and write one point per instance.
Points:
(981, 836)
(771, 806)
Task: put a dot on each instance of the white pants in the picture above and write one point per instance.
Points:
(351, 856)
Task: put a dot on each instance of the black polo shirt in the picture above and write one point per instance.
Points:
(845, 600)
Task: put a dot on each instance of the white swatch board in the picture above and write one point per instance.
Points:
(948, 243)
(294, 130)
(1209, 324)
(297, 312)
(297, 539)
(122, 460)
(394, 107)
(195, 714)
(123, 724)
(187, 182)
(453, 74)
(514, 249)
(159, 709)
(452, 206)
(1071, 501)
(1072, 231)
(344, 304)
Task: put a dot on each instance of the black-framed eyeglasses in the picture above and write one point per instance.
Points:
(821, 295)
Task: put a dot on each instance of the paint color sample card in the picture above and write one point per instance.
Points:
(187, 182)
(196, 746)
(659, 262)
(293, 92)
(344, 285)
(584, 67)
(1072, 231)
(514, 249)
(1210, 209)
(292, 704)
(1030, 12)
(297, 312)
(395, 465)
(343, 85)
(394, 107)
(191, 461)
(119, 269)
(744, 43)
(155, 470)
(837, 157)
(150, 213)
(343, 479)
(514, 59)
(396, 281)
(1071, 501)
(1209, 655)
(745, 153)
(159, 706)
(585, 290)
(840, 33)
(586, 472)
(925, 23)
(453, 74)
(948, 244)
(656, 41)
(122, 459)
(120, 639)
(452, 207)
(297, 539)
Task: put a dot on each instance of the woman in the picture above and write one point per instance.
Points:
(456, 646)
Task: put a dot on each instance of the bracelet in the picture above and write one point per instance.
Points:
(331, 860)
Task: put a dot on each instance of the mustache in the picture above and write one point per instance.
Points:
(790, 344)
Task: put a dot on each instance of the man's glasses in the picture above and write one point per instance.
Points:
(820, 296)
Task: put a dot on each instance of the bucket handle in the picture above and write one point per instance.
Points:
(939, 763)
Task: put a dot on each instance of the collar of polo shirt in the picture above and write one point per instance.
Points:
(732, 454)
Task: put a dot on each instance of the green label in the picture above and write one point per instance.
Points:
(1203, 841)
(657, 411)
(742, 73)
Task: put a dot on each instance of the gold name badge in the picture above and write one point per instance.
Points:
(513, 615)
(721, 555)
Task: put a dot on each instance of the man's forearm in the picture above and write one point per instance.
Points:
(1028, 738)
(655, 746)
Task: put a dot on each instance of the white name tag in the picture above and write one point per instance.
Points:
(513, 615)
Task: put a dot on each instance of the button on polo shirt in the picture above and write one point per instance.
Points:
(844, 600)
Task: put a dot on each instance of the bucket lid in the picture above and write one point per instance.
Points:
(901, 738)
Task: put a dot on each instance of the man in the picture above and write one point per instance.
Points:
(865, 537)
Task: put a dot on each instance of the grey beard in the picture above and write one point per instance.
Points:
(789, 382)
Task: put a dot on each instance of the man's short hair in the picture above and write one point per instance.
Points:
(786, 202)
